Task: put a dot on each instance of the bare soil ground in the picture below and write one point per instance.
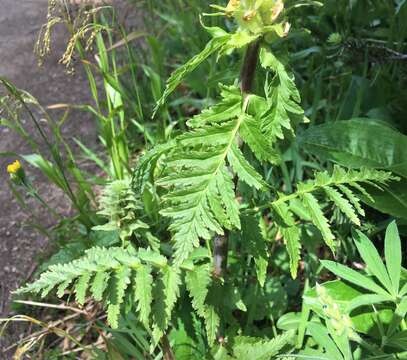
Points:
(20, 21)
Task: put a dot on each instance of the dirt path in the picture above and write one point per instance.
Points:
(20, 21)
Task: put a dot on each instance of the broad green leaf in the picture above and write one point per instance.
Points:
(391, 200)
(372, 259)
(355, 143)
(289, 321)
(353, 276)
(320, 334)
(364, 319)
(392, 251)
(367, 299)
(342, 292)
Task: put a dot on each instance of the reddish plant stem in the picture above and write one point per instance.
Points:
(220, 246)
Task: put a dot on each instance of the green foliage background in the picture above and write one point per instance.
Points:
(290, 174)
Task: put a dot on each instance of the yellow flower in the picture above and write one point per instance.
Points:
(14, 167)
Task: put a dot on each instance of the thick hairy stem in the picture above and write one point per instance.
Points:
(220, 251)
(249, 67)
(220, 255)
(168, 353)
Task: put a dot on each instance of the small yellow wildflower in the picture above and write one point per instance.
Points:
(14, 167)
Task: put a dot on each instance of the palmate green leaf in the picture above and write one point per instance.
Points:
(392, 251)
(372, 259)
(353, 276)
(403, 290)
(343, 293)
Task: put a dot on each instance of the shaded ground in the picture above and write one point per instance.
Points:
(20, 22)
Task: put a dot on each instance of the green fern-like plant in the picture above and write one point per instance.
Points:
(123, 211)
(107, 274)
(201, 165)
(198, 177)
(342, 188)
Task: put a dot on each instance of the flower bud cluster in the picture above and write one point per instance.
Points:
(258, 16)
(341, 323)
